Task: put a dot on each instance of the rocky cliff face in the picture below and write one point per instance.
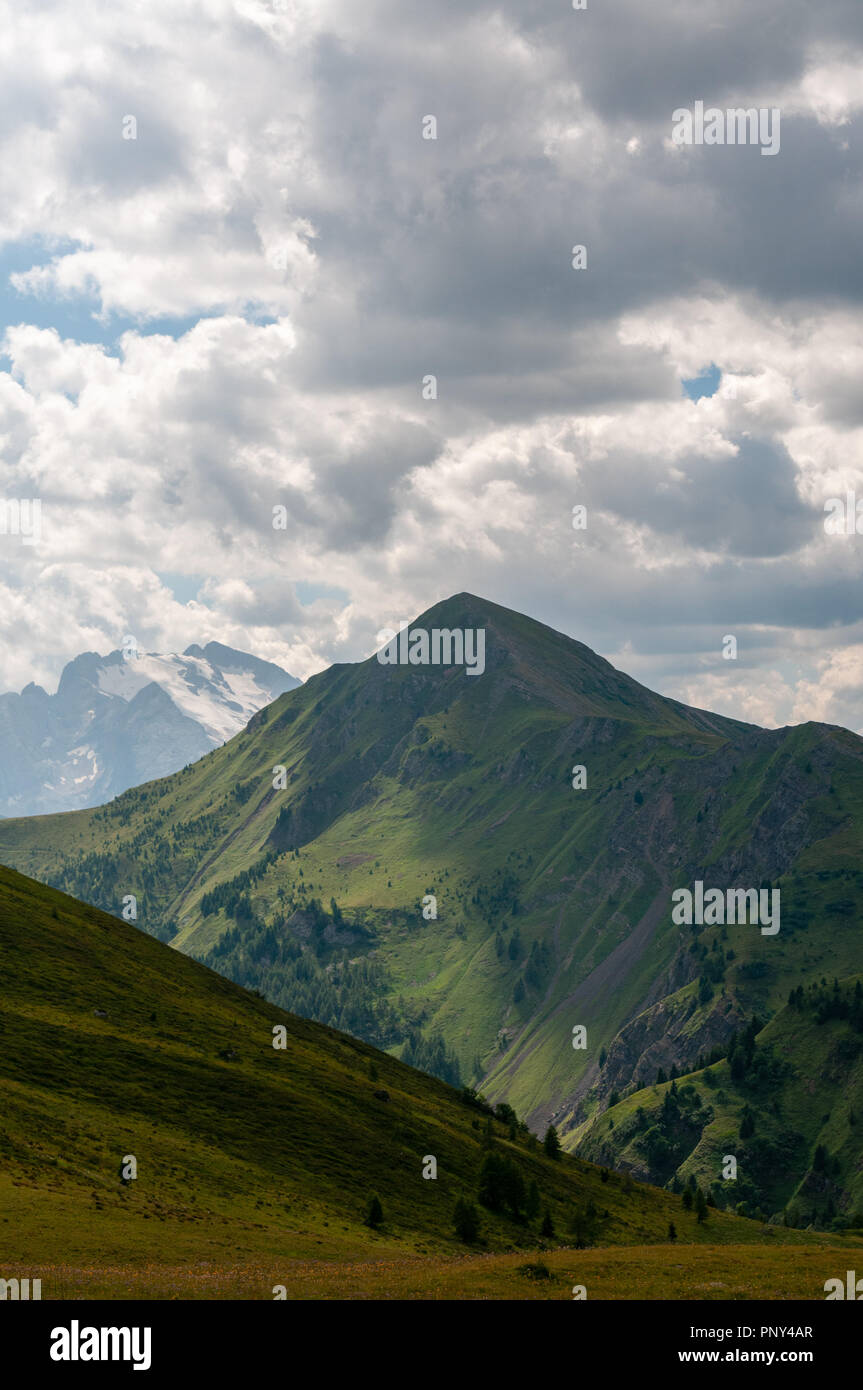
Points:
(673, 1033)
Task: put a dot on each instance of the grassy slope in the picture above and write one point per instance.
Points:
(255, 1171)
(403, 781)
(815, 1100)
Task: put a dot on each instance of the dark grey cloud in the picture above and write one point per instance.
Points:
(454, 255)
(745, 504)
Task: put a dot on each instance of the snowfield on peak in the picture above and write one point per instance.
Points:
(116, 721)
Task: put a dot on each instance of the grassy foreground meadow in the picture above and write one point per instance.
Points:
(688, 1272)
(255, 1164)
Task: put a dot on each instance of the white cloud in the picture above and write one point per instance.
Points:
(279, 172)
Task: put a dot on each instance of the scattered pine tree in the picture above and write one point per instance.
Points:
(466, 1221)
(551, 1143)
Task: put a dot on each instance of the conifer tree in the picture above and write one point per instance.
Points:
(466, 1221)
(551, 1143)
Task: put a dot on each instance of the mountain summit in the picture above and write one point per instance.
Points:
(479, 874)
(124, 718)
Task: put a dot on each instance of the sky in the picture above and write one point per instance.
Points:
(232, 259)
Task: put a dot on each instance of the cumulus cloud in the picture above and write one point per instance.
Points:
(278, 261)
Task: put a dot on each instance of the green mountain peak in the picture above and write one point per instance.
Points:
(464, 870)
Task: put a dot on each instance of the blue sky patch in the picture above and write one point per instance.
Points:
(705, 384)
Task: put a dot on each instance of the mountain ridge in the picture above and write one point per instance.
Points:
(553, 903)
(117, 720)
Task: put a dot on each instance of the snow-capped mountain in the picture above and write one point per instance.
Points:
(123, 719)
